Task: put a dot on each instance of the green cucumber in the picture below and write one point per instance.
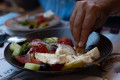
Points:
(48, 47)
(16, 52)
(50, 40)
(14, 46)
(32, 66)
(17, 49)
(42, 25)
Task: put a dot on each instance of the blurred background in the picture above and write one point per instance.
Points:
(20, 6)
(62, 8)
(12, 8)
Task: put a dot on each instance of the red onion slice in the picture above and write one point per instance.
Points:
(33, 43)
(54, 44)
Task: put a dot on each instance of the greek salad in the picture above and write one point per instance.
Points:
(36, 21)
(52, 54)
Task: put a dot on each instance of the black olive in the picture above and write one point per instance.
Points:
(44, 67)
(25, 51)
(31, 26)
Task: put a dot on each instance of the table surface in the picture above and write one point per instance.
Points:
(6, 69)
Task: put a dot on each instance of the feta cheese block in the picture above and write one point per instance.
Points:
(94, 53)
(49, 15)
(66, 55)
(47, 58)
(65, 49)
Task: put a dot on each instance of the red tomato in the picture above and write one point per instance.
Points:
(23, 59)
(41, 19)
(40, 16)
(66, 40)
(36, 40)
(36, 61)
(41, 48)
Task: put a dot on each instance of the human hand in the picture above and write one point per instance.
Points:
(88, 16)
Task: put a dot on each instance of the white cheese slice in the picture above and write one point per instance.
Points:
(94, 53)
(85, 59)
(47, 58)
(48, 14)
(65, 49)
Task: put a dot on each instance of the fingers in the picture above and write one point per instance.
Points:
(89, 21)
(77, 20)
(72, 19)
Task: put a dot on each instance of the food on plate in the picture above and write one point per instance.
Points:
(52, 54)
(15, 48)
(36, 21)
(32, 66)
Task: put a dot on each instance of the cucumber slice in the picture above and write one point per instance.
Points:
(17, 49)
(50, 40)
(14, 46)
(32, 66)
(48, 47)
(16, 52)
(42, 25)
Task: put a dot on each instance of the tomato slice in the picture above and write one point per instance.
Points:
(40, 16)
(41, 48)
(66, 40)
(23, 59)
(36, 61)
(40, 19)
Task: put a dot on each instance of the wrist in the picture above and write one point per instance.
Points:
(114, 6)
(107, 6)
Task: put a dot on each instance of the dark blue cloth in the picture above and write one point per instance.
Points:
(62, 8)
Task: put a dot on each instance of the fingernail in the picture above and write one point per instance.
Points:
(80, 44)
